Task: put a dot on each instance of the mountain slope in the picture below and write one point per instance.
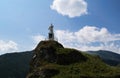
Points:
(15, 65)
(52, 60)
(107, 56)
(70, 63)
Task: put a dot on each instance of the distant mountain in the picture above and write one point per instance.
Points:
(15, 65)
(108, 57)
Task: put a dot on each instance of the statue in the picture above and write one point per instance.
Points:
(51, 33)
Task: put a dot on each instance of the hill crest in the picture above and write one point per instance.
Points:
(52, 60)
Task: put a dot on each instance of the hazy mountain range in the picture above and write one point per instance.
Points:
(108, 57)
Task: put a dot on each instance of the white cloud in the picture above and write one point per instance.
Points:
(71, 8)
(38, 38)
(94, 34)
(7, 46)
(90, 38)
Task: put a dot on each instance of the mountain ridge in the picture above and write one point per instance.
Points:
(18, 65)
(108, 57)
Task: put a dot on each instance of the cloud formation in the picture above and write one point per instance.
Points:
(7, 46)
(38, 38)
(90, 38)
(71, 8)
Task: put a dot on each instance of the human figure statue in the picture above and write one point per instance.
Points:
(51, 33)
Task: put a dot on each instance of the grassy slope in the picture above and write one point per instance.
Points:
(92, 68)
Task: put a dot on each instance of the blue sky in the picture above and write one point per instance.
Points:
(23, 23)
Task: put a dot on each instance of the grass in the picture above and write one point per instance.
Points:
(72, 63)
(92, 68)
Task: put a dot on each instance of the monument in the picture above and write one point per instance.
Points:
(51, 33)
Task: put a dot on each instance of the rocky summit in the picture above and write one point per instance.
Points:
(51, 60)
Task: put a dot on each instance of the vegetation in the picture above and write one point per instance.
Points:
(15, 65)
(66, 63)
(69, 63)
(92, 68)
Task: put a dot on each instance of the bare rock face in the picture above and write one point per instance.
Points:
(49, 53)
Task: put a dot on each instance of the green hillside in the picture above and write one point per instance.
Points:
(15, 65)
(52, 60)
(55, 61)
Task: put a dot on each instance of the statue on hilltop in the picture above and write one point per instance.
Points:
(51, 33)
